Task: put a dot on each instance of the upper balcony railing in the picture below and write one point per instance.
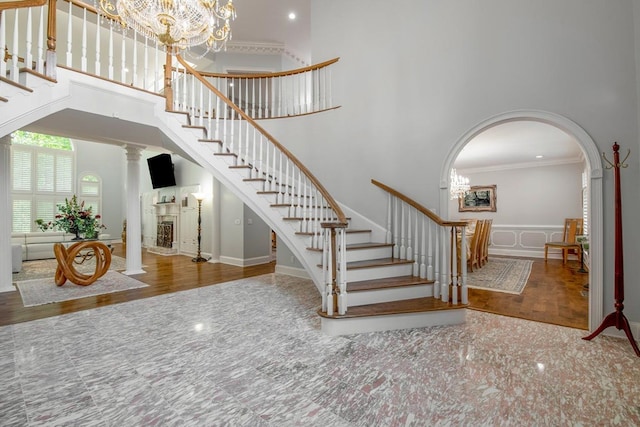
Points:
(73, 35)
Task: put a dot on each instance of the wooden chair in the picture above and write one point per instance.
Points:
(483, 251)
(473, 248)
(572, 228)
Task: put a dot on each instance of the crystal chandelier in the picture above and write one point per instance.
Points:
(458, 185)
(177, 24)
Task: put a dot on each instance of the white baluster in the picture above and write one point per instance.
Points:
(435, 244)
(69, 34)
(423, 249)
(83, 47)
(96, 65)
(123, 60)
(158, 80)
(463, 267)
(403, 248)
(444, 269)
(40, 45)
(3, 40)
(416, 268)
(28, 57)
(13, 71)
(454, 265)
(409, 250)
(396, 247)
(342, 278)
(134, 66)
(110, 67)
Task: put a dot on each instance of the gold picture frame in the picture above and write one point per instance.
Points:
(479, 198)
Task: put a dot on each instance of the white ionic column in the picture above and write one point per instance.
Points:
(5, 219)
(134, 228)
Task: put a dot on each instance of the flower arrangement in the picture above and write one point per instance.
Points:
(74, 218)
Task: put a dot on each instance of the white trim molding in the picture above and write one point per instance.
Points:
(594, 169)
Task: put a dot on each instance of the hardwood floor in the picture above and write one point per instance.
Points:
(552, 295)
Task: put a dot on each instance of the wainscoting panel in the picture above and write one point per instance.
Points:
(524, 240)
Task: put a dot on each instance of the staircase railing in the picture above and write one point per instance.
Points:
(30, 36)
(432, 243)
(276, 171)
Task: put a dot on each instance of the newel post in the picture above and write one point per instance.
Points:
(336, 282)
(168, 90)
(51, 61)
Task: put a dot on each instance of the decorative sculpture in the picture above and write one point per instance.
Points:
(67, 257)
(617, 318)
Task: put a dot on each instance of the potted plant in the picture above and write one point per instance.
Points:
(74, 218)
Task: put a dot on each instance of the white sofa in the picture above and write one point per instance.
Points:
(39, 244)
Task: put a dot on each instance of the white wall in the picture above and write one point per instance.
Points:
(412, 83)
(530, 196)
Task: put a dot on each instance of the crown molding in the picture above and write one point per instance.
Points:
(261, 48)
(527, 165)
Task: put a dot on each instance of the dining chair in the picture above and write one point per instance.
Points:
(569, 244)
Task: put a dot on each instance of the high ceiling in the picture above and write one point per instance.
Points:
(268, 22)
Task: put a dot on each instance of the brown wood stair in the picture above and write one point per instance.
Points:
(408, 306)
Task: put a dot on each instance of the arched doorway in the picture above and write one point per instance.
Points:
(594, 171)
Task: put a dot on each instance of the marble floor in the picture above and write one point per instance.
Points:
(250, 353)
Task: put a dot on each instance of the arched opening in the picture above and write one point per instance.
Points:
(593, 174)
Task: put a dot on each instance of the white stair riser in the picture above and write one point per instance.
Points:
(375, 296)
(353, 238)
(356, 325)
(369, 253)
(379, 272)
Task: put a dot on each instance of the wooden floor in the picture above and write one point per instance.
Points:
(552, 295)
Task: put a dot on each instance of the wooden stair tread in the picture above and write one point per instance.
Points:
(416, 305)
(37, 74)
(381, 262)
(3, 99)
(356, 246)
(348, 231)
(16, 84)
(213, 141)
(388, 282)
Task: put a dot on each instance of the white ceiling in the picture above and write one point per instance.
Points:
(268, 22)
(517, 144)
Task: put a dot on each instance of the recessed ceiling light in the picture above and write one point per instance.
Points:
(539, 156)
(292, 16)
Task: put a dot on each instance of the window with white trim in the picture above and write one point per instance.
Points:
(585, 203)
(42, 171)
(90, 191)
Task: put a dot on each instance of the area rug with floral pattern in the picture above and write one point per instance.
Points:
(508, 275)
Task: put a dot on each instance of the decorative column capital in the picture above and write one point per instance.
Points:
(5, 140)
(133, 152)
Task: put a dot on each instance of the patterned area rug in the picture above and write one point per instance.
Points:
(502, 275)
(44, 291)
(44, 268)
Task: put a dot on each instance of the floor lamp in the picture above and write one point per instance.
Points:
(199, 197)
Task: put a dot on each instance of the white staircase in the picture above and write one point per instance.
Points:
(379, 291)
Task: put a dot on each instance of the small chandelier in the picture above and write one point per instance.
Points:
(458, 185)
(177, 24)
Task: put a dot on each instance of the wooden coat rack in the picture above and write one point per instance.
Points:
(617, 318)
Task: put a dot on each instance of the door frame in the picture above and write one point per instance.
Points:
(595, 173)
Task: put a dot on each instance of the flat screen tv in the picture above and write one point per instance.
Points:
(161, 171)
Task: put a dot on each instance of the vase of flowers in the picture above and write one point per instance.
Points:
(74, 218)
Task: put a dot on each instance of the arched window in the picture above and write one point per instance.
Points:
(42, 175)
(90, 191)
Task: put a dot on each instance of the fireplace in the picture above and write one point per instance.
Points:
(164, 236)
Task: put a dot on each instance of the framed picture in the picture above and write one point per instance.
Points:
(480, 198)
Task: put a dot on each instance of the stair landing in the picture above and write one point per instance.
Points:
(410, 313)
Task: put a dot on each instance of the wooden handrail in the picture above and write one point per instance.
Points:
(435, 218)
(342, 219)
(17, 4)
(275, 74)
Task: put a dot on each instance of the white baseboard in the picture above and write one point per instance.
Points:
(613, 332)
(240, 262)
(292, 271)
